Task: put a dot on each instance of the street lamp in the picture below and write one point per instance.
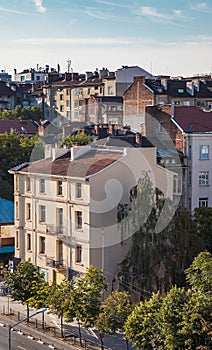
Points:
(10, 327)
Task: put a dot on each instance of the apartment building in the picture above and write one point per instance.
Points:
(189, 131)
(66, 207)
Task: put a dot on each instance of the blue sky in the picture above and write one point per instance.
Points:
(161, 36)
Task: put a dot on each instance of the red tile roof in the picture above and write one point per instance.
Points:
(192, 119)
(88, 164)
(19, 126)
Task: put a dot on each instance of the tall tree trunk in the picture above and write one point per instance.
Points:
(80, 334)
(61, 326)
(127, 344)
(43, 320)
(102, 340)
(27, 313)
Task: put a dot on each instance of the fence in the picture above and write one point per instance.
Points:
(69, 336)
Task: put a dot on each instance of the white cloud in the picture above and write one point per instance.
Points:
(39, 6)
(77, 41)
(202, 7)
(100, 15)
(153, 13)
(4, 9)
(110, 3)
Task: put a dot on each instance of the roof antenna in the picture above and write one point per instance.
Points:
(69, 64)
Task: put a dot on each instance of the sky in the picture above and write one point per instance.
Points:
(161, 36)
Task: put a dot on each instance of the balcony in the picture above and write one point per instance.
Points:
(55, 230)
(56, 264)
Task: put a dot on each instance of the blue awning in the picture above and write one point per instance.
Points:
(7, 249)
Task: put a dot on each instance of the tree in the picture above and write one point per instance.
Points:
(85, 301)
(22, 113)
(59, 295)
(143, 326)
(22, 281)
(40, 298)
(81, 138)
(113, 314)
(156, 260)
(203, 225)
(171, 318)
(199, 274)
(197, 313)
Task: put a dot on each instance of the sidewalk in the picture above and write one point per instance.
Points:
(52, 325)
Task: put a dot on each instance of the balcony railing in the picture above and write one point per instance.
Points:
(57, 264)
(55, 230)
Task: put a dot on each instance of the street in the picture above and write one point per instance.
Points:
(19, 341)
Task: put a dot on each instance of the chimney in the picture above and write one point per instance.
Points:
(96, 128)
(138, 139)
(88, 75)
(111, 129)
(68, 76)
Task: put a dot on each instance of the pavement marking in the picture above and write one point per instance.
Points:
(2, 324)
(40, 341)
(20, 347)
(30, 337)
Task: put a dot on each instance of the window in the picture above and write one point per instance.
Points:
(177, 185)
(61, 97)
(16, 210)
(78, 253)
(110, 90)
(78, 190)
(42, 186)
(67, 103)
(61, 108)
(68, 92)
(204, 152)
(29, 244)
(203, 178)
(42, 245)
(59, 188)
(79, 220)
(28, 184)
(28, 211)
(160, 126)
(89, 91)
(60, 219)
(180, 91)
(203, 202)
(42, 213)
(17, 240)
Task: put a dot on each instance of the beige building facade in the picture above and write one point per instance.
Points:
(66, 207)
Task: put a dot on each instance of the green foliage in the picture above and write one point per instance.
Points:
(182, 320)
(172, 314)
(143, 326)
(113, 313)
(157, 260)
(80, 138)
(203, 225)
(40, 298)
(197, 312)
(86, 301)
(199, 274)
(24, 113)
(22, 281)
(15, 150)
(6, 190)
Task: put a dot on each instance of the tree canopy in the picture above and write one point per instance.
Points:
(24, 113)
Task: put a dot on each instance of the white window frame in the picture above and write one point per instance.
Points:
(203, 178)
(204, 152)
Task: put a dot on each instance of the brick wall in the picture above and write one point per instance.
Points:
(137, 97)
